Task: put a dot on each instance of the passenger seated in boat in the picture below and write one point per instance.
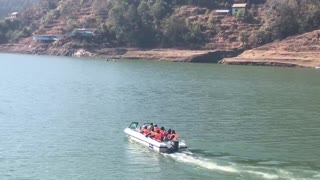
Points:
(174, 136)
(154, 135)
(151, 133)
(167, 135)
(162, 131)
(157, 136)
(141, 128)
(156, 128)
(144, 131)
(150, 126)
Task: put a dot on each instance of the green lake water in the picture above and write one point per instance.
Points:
(63, 119)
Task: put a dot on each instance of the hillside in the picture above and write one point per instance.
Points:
(135, 25)
(173, 25)
(150, 29)
(296, 51)
(9, 6)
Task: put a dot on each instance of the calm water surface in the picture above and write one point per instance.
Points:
(63, 118)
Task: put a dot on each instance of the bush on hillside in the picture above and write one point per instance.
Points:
(260, 37)
(174, 29)
(285, 19)
(244, 37)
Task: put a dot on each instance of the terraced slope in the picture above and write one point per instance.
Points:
(296, 51)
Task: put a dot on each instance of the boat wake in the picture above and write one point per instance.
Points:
(187, 157)
(265, 170)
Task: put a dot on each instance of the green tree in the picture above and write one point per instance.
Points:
(159, 10)
(194, 37)
(259, 37)
(143, 12)
(281, 20)
(174, 29)
(244, 37)
(116, 22)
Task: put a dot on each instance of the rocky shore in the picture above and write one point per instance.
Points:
(296, 51)
(174, 55)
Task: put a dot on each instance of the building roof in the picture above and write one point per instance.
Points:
(46, 38)
(222, 11)
(85, 29)
(240, 5)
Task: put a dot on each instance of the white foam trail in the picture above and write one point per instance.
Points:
(202, 163)
(264, 175)
(286, 174)
(262, 172)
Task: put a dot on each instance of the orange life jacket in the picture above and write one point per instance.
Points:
(176, 136)
(145, 131)
(152, 133)
(157, 137)
(156, 129)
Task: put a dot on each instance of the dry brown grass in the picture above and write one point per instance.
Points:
(302, 50)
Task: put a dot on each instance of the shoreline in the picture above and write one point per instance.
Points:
(157, 54)
(254, 57)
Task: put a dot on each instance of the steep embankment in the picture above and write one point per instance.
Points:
(296, 51)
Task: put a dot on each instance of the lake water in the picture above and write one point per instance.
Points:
(63, 118)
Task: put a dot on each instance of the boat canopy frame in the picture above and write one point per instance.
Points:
(134, 125)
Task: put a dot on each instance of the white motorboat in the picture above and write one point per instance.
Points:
(164, 147)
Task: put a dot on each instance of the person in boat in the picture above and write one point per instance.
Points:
(150, 126)
(142, 127)
(156, 128)
(174, 136)
(157, 136)
(162, 131)
(144, 131)
(167, 135)
(151, 133)
(154, 135)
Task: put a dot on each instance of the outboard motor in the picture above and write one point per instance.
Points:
(173, 146)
